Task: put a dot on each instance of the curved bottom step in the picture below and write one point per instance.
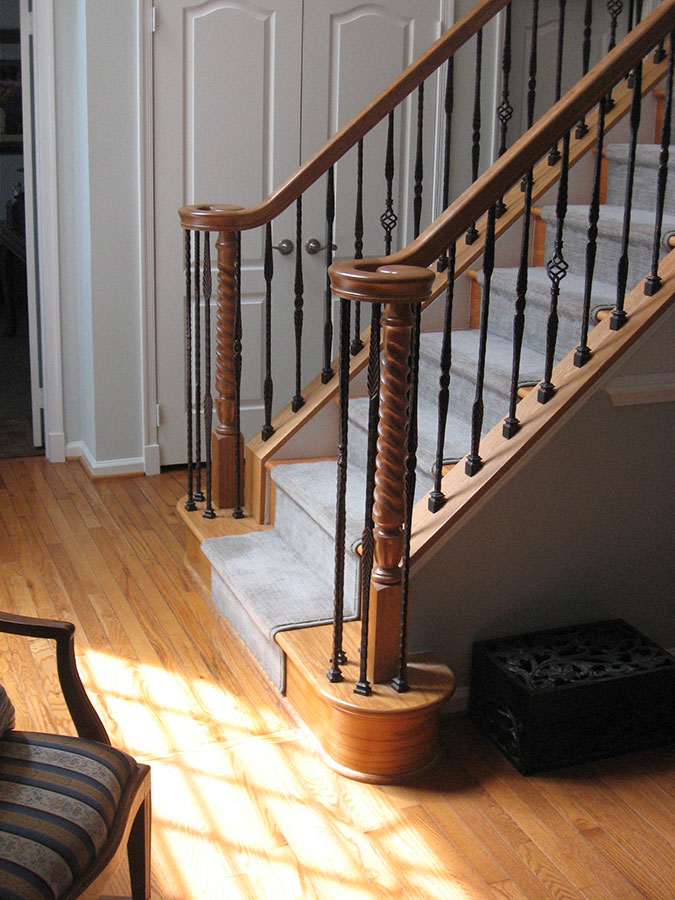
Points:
(381, 739)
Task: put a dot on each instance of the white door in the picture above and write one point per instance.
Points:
(234, 115)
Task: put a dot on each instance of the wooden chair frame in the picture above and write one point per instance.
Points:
(130, 829)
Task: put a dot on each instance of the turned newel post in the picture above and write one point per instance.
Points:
(398, 288)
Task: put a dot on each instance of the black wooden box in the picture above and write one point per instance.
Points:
(569, 695)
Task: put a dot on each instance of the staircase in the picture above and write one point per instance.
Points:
(276, 585)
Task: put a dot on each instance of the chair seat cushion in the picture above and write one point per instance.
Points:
(58, 798)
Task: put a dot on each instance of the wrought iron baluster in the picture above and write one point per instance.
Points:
(614, 8)
(472, 232)
(327, 371)
(299, 287)
(631, 5)
(437, 497)
(388, 219)
(554, 155)
(511, 422)
(653, 282)
(449, 103)
(357, 343)
(583, 353)
(556, 269)
(474, 462)
(660, 52)
(532, 77)
(582, 127)
(268, 386)
(504, 110)
(190, 504)
(619, 316)
(339, 657)
(238, 512)
(367, 541)
(419, 163)
(209, 512)
(198, 494)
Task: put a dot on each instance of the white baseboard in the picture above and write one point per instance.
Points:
(56, 447)
(151, 459)
(96, 469)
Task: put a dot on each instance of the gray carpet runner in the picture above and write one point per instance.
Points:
(269, 581)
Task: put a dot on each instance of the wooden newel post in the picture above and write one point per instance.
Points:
(398, 288)
(224, 436)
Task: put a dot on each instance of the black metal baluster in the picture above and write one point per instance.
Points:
(532, 79)
(357, 343)
(619, 316)
(554, 155)
(298, 400)
(209, 512)
(327, 371)
(437, 497)
(198, 494)
(190, 504)
(653, 282)
(449, 103)
(504, 110)
(419, 163)
(556, 269)
(388, 219)
(339, 657)
(367, 541)
(660, 52)
(614, 8)
(631, 4)
(268, 386)
(472, 232)
(582, 127)
(512, 423)
(474, 462)
(238, 512)
(583, 353)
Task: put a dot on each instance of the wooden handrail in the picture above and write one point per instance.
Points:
(350, 278)
(217, 217)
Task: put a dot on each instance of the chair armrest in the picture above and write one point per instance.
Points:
(83, 714)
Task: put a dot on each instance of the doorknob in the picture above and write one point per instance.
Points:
(314, 246)
(285, 247)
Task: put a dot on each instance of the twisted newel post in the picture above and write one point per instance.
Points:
(398, 288)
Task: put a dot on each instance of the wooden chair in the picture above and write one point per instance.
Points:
(69, 806)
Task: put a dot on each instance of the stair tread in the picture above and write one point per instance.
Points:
(539, 288)
(610, 222)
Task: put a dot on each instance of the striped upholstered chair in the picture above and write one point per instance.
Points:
(69, 806)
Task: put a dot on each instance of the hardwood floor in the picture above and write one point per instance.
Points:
(242, 805)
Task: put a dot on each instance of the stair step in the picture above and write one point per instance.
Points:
(647, 159)
(610, 229)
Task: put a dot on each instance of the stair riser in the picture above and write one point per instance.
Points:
(645, 185)
(358, 455)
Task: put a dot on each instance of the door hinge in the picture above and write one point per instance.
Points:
(154, 19)
(158, 415)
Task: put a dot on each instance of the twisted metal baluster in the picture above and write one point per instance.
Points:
(614, 8)
(198, 494)
(653, 282)
(327, 371)
(474, 462)
(190, 504)
(209, 512)
(512, 423)
(339, 657)
(583, 352)
(554, 155)
(362, 686)
(472, 232)
(299, 286)
(419, 163)
(619, 315)
(437, 497)
(504, 110)
(357, 343)
(582, 127)
(388, 219)
(268, 386)
(237, 512)
(532, 80)
(556, 269)
(449, 103)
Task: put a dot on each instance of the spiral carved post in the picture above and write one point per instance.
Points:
(224, 437)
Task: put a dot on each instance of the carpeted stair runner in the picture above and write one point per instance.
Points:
(268, 581)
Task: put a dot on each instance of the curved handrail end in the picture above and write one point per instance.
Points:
(376, 281)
